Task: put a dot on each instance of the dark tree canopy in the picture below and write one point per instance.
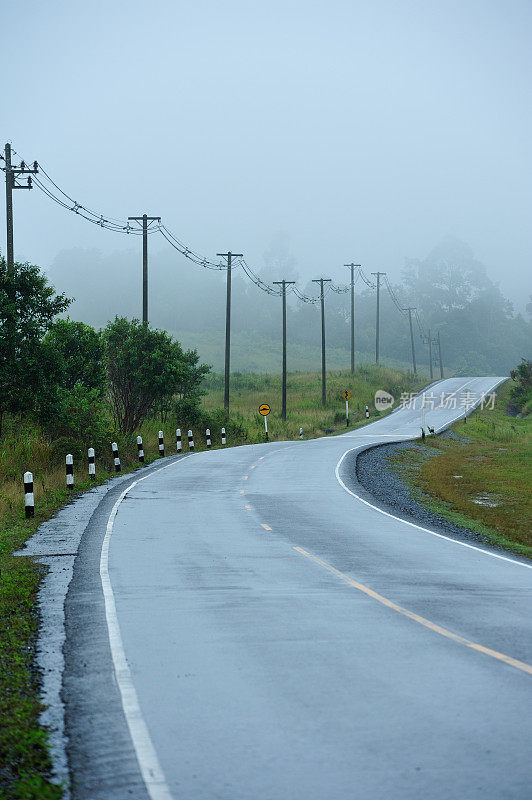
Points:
(81, 351)
(28, 305)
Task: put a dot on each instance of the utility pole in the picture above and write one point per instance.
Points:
(321, 281)
(430, 356)
(229, 256)
(283, 285)
(352, 314)
(11, 175)
(412, 338)
(145, 220)
(377, 320)
(439, 353)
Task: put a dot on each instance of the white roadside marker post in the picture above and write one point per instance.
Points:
(161, 444)
(92, 464)
(29, 499)
(266, 427)
(224, 440)
(367, 412)
(116, 457)
(347, 413)
(301, 433)
(190, 441)
(140, 449)
(69, 460)
(178, 440)
(208, 435)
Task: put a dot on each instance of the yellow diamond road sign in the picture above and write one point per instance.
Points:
(264, 409)
(346, 394)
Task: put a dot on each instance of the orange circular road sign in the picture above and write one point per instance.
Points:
(264, 409)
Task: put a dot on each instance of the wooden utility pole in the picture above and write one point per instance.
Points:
(145, 220)
(229, 256)
(11, 174)
(321, 281)
(412, 338)
(377, 319)
(439, 353)
(430, 357)
(283, 284)
(352, 266)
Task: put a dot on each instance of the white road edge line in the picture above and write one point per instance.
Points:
(420, 527)
(150, 768)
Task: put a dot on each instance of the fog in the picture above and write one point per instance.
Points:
(353, 131)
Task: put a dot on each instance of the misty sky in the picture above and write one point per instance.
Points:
(366, 131)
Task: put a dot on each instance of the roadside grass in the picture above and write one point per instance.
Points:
(480, 476)
(304, 408)
(24, 758)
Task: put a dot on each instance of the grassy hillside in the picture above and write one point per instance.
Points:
(481, 477)
(259, 354)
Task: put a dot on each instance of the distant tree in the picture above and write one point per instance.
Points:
(521, 392)
(81, 350)
(145, 367)
(28, 305)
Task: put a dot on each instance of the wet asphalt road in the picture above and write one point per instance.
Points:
(260, 662)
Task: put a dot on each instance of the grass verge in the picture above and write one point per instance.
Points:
(479, 476)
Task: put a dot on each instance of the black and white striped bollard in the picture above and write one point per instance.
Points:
(116, 456)
(69, 471)
(367, 412)
(92, 464)
(224, 440)
(190, 441)
(140, 449)
(208, 437)
(29, 499)
(178, 444)
(301, 433)
(161, 444)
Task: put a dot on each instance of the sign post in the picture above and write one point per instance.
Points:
(346, 394)
(264, 410)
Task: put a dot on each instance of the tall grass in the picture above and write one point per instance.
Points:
(304, 408)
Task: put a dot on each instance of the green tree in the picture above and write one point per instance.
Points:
(81, 350)
(144, 368)
(28, 305)
(521, 393)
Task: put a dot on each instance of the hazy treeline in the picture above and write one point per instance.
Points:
(480, 332)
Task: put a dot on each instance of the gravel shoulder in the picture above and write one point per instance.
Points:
(381, 483)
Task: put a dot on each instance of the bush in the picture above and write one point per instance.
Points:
(521, 393)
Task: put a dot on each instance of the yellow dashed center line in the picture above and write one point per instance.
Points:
(241, 491)
(253, 467)
(248, 508)
(266, 527)
(244, 477)
(513, 662)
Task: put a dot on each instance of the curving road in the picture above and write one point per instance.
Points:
(257, 630)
